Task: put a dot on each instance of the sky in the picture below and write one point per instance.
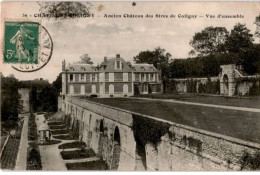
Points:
(99, 36)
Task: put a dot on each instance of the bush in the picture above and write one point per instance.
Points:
(191, 86)
(78, 154)
(72, 145)
(33, 158)
(251, 162)
(32, 128)
(92, 165)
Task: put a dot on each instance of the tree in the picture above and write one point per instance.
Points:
(57, 84)
(34, 99)
(210, 40)
(86, 59)
(11, 100)
(65, 9)
(157, 57)
(240, 39)
(257, 23)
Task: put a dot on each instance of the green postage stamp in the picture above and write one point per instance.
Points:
(21, 43)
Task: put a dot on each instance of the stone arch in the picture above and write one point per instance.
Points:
(101, 126)
(116, 149)
(227, 80)
(101, 138)
(225, 84)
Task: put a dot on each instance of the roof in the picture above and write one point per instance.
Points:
(109, 65)
(144, 68)
(81, 67)
(43, 127)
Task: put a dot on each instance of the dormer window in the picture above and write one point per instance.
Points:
(71, 68)
(118, 64)
(83, 69)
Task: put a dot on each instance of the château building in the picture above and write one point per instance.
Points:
(114, 77)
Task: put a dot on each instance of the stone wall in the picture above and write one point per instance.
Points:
(230, 81)
(181, 148)
(25, 96)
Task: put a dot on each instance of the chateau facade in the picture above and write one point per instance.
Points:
(114, 77)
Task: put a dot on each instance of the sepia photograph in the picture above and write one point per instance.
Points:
(130, 86)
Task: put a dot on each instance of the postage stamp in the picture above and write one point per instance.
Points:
(21, 43)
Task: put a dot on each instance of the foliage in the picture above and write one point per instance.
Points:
(9, 125)
(257, 23)
(171, 86)
(251, 162)
(148, 130)
(86, 59)
(239, 39)
(33, 158)
(48, 99)
(57, 84)
(77, 154)
(11, 100)
(89, 165)
(191, 86)
(33, 99)
(157, 57)
(37, 83)
(65, 10)
(254, 90)
(76, 144)
(211, 87)
(32, 128)
(210, 40)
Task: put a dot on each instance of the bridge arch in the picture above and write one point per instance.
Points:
(116, 149)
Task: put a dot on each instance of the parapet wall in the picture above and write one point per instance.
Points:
(180, 148)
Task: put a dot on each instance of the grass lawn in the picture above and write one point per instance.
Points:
(78, 154)
(57, 126)
(9, 154)
(61, 131)
(55, 123)
(76, 144)
(65, 137)
(93, 165)
(3, 139)
(234, 123)
(253, 102)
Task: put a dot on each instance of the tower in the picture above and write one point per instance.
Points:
(64, 78)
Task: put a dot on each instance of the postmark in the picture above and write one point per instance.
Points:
(21, 42)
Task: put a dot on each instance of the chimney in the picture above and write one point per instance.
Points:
(105, 59)
(117, 55)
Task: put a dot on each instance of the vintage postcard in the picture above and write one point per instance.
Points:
(130, 86)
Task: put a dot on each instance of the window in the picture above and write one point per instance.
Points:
(152, 77)
(125, 76)
(82, 77)
(93, 77)
(118, 64)
(110, 76)
(71, 77)
(142, 77)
